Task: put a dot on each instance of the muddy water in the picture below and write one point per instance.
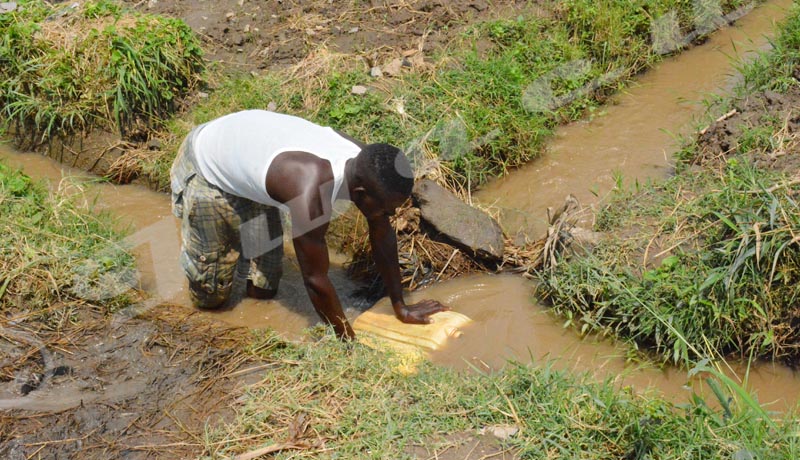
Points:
(508, 325)
(156, 242)
(633, 136)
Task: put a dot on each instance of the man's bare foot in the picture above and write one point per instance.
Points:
(259, 293)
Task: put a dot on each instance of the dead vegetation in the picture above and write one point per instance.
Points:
(427, 258)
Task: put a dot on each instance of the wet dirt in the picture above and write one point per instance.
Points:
(131, 387)
(634, 136)
(250, 34)
(722, 138)
(140, 386)
(482, 444)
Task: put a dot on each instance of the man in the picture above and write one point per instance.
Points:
(233, 174)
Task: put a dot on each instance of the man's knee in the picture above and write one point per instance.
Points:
(207, 297)
(210, 276)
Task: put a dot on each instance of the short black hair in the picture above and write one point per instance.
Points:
(386, 167)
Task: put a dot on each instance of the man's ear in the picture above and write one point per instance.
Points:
(357, 193)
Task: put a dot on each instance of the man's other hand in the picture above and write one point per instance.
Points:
(420, 312)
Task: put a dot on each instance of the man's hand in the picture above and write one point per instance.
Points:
(419, 313)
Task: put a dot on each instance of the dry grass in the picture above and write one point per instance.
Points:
(65, 323)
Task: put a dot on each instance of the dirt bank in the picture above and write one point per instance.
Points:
(764, 125)
(248, 34)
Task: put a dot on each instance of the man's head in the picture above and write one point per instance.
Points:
(382, 179)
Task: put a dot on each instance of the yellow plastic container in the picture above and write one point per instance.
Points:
(378, 327)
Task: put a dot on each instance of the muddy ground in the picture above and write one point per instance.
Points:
(148, 386)
(251, 34)
(722, 139)
(121, 387)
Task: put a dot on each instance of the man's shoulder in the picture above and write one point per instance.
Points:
(298, 173)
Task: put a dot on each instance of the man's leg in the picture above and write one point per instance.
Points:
(262, 245)
(208, 256)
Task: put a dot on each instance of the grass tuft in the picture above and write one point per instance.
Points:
(55, 254)
(67, 69)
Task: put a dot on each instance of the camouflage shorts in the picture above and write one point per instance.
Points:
(226, 240)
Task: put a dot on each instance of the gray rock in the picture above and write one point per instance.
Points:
(237, 40)
(469, 228)
(393, 68)
(376, 72)
(154, 144)
(7, 7)
(501, 432)
(358, 89)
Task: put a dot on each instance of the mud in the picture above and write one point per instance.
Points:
(249, 34)
(142, 387)
(465, 446)
(505, 325)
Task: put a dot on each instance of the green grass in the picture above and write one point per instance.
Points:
(774, 70)
(484, 105)
(56, 254)
(348, 401)
(726, 279)
(706, 263)
(65, 71)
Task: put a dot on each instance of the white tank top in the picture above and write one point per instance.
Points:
(234, 152)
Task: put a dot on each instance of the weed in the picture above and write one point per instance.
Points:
(333, 400)
(68, 70)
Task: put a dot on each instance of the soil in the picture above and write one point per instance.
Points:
(134, 388)
(721, 139)
(249, 34)
(148, 386)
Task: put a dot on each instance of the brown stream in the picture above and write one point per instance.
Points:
(635, 135)
(632, 136)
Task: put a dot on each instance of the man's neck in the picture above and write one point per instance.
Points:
(349, 180)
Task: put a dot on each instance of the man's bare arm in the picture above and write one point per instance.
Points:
(312, 254)
(384, 250)
(300, 181)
